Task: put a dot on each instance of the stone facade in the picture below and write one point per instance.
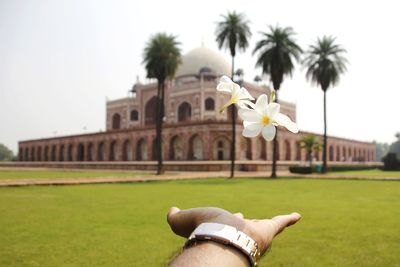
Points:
(193, 127)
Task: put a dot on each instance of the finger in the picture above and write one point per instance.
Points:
(239, 215)
(182, 222)
(283, 221)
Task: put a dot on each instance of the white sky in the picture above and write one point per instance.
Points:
(59, 60)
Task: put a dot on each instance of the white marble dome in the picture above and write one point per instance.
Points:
(200, 58)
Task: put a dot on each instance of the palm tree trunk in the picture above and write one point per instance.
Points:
(310, 159)
(158, 127)
(275, 146)
(324, 154)
(233, 115)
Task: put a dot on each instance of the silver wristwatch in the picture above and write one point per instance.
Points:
(227, 235)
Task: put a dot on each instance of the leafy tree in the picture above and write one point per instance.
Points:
(257, 79)
(381, 149)
(233, 33)
(277, 51)
(395, 146)
(310, 143)
(161, 58)
(5, 153)
(325, 64)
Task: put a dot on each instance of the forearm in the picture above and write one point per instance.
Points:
(209, 253)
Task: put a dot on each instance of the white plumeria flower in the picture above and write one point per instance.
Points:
(263, 118)
(239, 95)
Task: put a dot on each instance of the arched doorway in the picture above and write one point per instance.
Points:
(209, 104)
(113, 151)
(338, 157)
(70, 152)
(150, 115)
(298, 151)
(46, 153)
(261, 149)
(116, 121)
(101, 153)
(53, 152)
(195, 148)
(344, 153)
(127, 151)
(245, 148)
(81, 152)
(176, 148)
(184, 112)
(141, 150)
(61, 153)
(331, 158)
(90, 152)
(287, 150)
(39, 154)
(221, 149)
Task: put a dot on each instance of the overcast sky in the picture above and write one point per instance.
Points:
(61, 60)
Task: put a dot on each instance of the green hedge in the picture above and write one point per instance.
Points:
(334, 168)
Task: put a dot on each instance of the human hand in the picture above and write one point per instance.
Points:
(184, 222)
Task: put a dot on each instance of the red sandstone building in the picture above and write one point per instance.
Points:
(193, 130)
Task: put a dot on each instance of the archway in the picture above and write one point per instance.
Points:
(221, 148)
(176, 148)
(344, 154)
(116, 121)
(298, 151)
(245, 148)
(70, 150)
(101, 153)
(184, 112)
(46, 153)
(127, 151)
(39, 154)
(331, 158)
(53, 152)
(81, 152)
(195, 148)
(150, 115)
(141, 150)
(338, 157)
(90, 152)
(287, 150)
(113, 151)
(261, 149)
(209, 104)
(33, 154)
(61, 153)
(134, 115)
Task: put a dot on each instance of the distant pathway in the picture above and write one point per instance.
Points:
(177, 176)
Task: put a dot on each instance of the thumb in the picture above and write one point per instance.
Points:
(182, 222)
(283, 221)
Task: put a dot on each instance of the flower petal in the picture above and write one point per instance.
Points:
(286, 122)
(273, 109)
(235, 89)
(268, 132)
(224, 87)
(225, 79)
(252, 130)
(262, 103)
(244, 103)
(249, 115)
(244, 94)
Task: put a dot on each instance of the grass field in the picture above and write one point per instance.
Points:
(13, 174)
(345, 223)
(367, 173)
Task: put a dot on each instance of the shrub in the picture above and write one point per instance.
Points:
(300, 169)
(391, 162)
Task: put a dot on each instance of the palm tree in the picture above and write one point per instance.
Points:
(325, 64)
(161, 58)
(233, 33)
(276, 51)
(310, 143)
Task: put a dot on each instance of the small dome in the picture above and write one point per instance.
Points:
(203, 58)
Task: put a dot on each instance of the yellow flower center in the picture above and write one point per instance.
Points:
(265, 120)
(234, 99)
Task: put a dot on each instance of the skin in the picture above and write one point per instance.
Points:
(209, 253)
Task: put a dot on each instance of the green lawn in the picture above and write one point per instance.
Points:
(345, 223)
(12, 174)
(367, 173)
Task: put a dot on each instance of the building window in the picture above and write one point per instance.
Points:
(184, 112)
(210, 105)
(116, 121)
(134, 115)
